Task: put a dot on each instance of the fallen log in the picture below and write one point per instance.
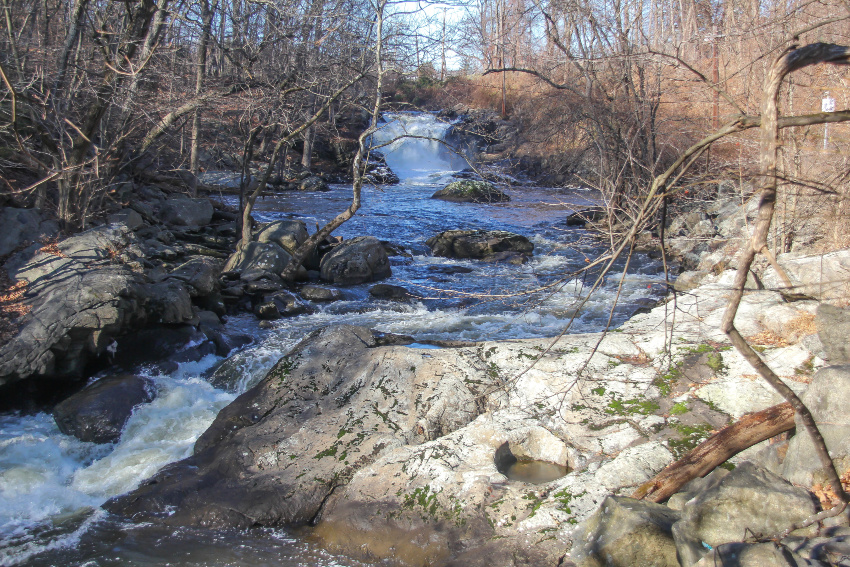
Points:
(717, 449)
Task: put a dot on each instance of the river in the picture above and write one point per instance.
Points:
(51, 485)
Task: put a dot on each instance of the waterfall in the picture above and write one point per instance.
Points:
(414, 146)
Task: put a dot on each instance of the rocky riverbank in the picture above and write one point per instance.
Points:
(393, 452)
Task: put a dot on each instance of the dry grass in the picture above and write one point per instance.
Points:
(767, 338)
(801, 326)
(12, 307)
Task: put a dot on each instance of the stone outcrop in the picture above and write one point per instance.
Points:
(470, 191)
(359, 260)
(99, 412)
(479, 244)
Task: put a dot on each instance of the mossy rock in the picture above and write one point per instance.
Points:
(468, 191)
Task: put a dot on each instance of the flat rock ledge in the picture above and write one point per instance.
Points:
(390, 451)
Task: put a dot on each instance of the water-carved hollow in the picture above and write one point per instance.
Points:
(524, 468)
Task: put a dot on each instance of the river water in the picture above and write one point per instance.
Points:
(51, 485)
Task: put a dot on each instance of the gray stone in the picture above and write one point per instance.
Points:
(319, 293)
(99, 412)
(266, 256)
(200, 274)
(313, 183)
(359, 260)
(477, 244)
(826, 397)
(825, 277)
(687, 281)
(19, 226)
(626, 533)
(129, 217)
(833, 325)
(327, 404)
(749, 500)
(168, 303)
(468, 191)
(386, 291)
(281, 304)
(182, 211)
(72, 318)
(289, 234)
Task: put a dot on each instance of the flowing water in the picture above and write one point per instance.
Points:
(51, 485)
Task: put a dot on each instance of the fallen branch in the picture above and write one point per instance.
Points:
(717, 449)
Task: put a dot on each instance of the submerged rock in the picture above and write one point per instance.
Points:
(479, 244)
(359, 260)
(469, 191)
(99, 412)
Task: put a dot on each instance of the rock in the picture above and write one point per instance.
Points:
(182, 211)
(99, 412)
(280, 304)
(288, 234)
(826, 399)
(319, 293)
(755, 555)
(359, 260)
(687, 281)
(703, 229)
(168, 303)
(313, 183)
(19, 226)
(327, 404)
(199, 274)
(749, 500)
(385, 291)
(153, 344)
(129, 217)
(626, 533)
(467, 191)
(477, 243)
(265, 256)
(825, 277)
(683, 225)
(833, 325)
(72, 318)
(581, 218)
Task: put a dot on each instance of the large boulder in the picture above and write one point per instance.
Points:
(749, 500)
(825, 277)
(183, 211)
(328, 408)
(258, 256)
(359, 260)
(289, 234)
(625, 533)
(469, 191)
(313, 183)
(479, 244)
(826, 397)
(71, 319)
(99, 412)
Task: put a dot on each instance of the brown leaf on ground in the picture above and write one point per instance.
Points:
(50, 247)
(12, 307)
(827, 496)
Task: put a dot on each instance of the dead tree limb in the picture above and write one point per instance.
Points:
(791, 60)
(716, 450)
